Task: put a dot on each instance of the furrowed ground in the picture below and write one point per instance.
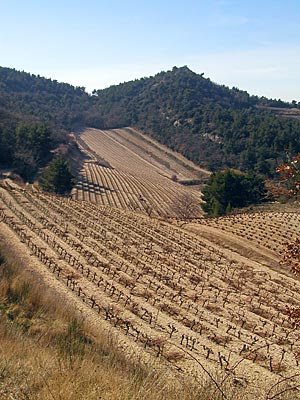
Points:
(128, 170)
(194, 300)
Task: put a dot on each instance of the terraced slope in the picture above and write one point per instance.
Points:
(266, 232)
(266, 229)
(162, 160)
(138, 174)
(167, 292)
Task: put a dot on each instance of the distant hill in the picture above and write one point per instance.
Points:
(212, 125)
(35, 98)
(35, 116)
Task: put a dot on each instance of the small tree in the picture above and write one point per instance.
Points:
(57, 177)
(227, 190)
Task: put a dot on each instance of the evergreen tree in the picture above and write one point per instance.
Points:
(32, 145)
(57, 177)
(227, 190)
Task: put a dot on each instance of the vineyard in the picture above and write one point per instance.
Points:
(132, 151)
(176, 295)
(278, 228)
(127, 170)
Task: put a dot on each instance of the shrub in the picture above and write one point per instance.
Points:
(227, 190)
(57, 177)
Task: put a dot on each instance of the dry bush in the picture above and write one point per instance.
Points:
(261, 312)
(254, 356)
(213, 308)
(185, 206)
(278, 367)
(219, 339)
(174, 356)
(170, 309)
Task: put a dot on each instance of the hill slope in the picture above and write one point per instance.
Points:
(181, 297)
(212, 125)
(35, 116)
(34, 98)
(126, 169)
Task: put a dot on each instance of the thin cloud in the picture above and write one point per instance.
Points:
(272, 72)
(233, 21)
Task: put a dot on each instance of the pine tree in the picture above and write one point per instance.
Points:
(227, 190)
(57, 177)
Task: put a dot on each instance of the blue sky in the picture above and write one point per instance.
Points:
(253, 45)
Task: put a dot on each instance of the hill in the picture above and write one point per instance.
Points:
(207, 300)
(210, 124)
(37, 99)
(35, 116)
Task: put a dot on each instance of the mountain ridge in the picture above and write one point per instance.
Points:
(212, 125)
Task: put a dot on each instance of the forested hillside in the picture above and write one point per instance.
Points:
(41, 99)
(35, 115)
(212, 125)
